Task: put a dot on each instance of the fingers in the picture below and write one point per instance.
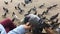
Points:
(26, 26)
(27, 23)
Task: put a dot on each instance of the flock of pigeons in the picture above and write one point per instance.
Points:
(6, 11)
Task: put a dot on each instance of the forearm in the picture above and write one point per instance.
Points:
(18, 30)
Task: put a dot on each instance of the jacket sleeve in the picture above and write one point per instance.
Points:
(2, 30)
(19, 30)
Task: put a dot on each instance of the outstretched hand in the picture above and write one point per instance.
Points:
(27, 26)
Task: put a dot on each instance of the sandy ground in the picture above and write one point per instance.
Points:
(35, 3)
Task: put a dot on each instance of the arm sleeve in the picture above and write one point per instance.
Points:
(19, 30)
(2, 30)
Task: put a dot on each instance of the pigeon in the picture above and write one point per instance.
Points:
(5, 9)
(55, 25)
(4, 15)
(51, 7)
(19, 8)
(15, 17)
(46, 12)
(43, 17)
(34, 8)
(29, 11)
(23, 4)
(39, 15)
(57, 20)
(15, 7)
(13, 13)
(26, 14)
(28, 1)
(43, 13)
(21, 11)
(6, 2)
(54, 5)
(54, 16)
(42, 5)
(54, 22)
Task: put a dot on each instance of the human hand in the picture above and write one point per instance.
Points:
(27, 26)
(49, 31)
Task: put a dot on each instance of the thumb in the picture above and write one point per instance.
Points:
(27, 24)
